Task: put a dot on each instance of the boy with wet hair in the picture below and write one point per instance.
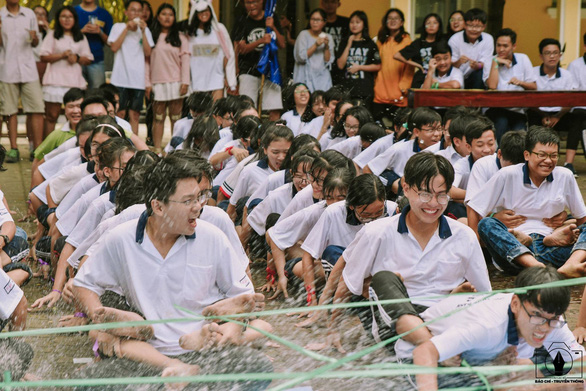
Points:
(497, 326)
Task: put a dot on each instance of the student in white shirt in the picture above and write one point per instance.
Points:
(453, 141)
(539, 191)
(578, 70)
(322, 124)
(432, 254)
(337, 123)
(202, 136)
(131, 42)
(196, 270)
(472, 49)
(351, 120)
(486, 327)
(509, 71)
(353, 146)
(299, 104)
(551, 77)
(441, 72)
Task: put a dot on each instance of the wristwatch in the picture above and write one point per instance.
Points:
(6, 239)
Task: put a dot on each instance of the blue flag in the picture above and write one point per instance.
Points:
(268, 64)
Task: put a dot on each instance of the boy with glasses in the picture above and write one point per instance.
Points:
(472, 49)
(537, 190)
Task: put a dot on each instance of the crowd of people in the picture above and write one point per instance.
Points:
(336, 203)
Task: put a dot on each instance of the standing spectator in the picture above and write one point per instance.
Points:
(43, 23)
(95, 23)
(337, 27)
(212, 53)
(147, 16)
(249, 39)
(132, 42)
(19, 34)
(359, 59)
(394, 78)
(65, 50)
(456, 23)
(578, 70)
(314, 52)
(418, 54)
(167, 71)
(147, 13)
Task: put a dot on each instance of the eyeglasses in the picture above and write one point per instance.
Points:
(300, 92)
(318, 181)
(437, 129)
(540, 320)
(303, 177)
(201, 199)
(551, 54)
(452, 20)
(121, 169)
(368, 217)
(542, 155)
(351, 127)
(474, 26)
(394, 19)
(426, 197)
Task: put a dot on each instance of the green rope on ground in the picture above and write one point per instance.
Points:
(480, 375)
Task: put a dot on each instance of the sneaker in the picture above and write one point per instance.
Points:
(570, 167)
(12, 156)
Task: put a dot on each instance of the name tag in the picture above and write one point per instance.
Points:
(205, 50)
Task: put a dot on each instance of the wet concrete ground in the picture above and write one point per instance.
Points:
(55, 354)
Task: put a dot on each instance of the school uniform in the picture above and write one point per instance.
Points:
(453, 74)
(462, 170)
(375, 149)
(313, 128)
(250, 179)
(512, 188)
(484, 169)
(227, 165)
(481, 50)
(52, 167)
(229, 184)
(272, 182)
(72, 216)
(67, 145)
(61, 185)
(197, 272)
(350, 147)
(180, 131)
(91, 218)
(83, 186)
(293, 120)
(451, 154)
(286, 233)
(10, 296)
(302, 200)
(275, 202)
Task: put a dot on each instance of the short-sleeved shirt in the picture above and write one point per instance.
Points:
(481, 50)
(198, 271)
(80, 188)
(5, 215)
(419, 51)
(462, 170)
(376, 148)
(61, 73)
(91, 218)
(451, 256)
(275, 202)
(578, 69)
(350, 147)
(522, 69)
(249, 30)
(363, 52)
(395, 158)
(453, 74)
(484, 169)
(563, 80)
(296, 227)
(250, 179)
(451, 154)
(512, 188)
(17, 58)
(272, 182)
(10, 295)
(53, 140)
(102, 18)
(129, 60)
(302, 200)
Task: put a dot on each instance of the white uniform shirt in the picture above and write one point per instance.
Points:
(228, 165)
(481, 50)
(60, 185)
(395, 158)
(231, 181)
(293, 120)
(451, 154)
(462, 172)
(296, 227)
(313, 128)
(302, 200)
(453, 74)
(511, 188)
(562, 80)
(272, 182)
(578, 70)
(250, 179)
(5, 215)
(198, 271)
(72, 216)
(65, 146)
(481, 172)
(91, 218)
(52, 167)
(82, 187)
(10, 295)
(180, 129)
(350, 147)
(451, 256)
(375, 149)
(275, 202)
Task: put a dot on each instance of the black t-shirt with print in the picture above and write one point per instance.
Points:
(420, 52)
(250, 30)
(363, 52)
(339, 30)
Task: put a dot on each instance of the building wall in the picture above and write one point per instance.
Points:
(375, 10)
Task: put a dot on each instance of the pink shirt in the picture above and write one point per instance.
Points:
(61, 73)
(17, 58)
(168, 64)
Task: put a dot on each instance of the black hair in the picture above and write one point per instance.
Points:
(194, 24)
(440, 32)
(255, 139)
(476, 126)
(400, 118)
(328, 160)
(43, 32)
(76, 33)
(421, 168)
(458, 126)
(109, 126)
(365, 34)
(554, 300)
(304, 156)
(364, 190)
(111, 88)
(111, 151)
(72, 95)
(94, 99)
(308, 115)
(197, 161)
(321, 12)
(512, 146)
(370, 132)
(223, 106)
(289, 96)
(335, 93)
(200, 102)
(385, 33)
(128, 2)
(359, 112)
(548, 41)
(454, 112)
(130, 186)
(542, 135)
(423, 116)
(245, 101)
(301, 141)
(338, 179)
(204, 134)
(161, 182)
(275, 132)
(449, 29)
(173, 34)
(475, 14)
(149, 21)
(506, 32)
(86, 125)
(441, 47)
(245, 126)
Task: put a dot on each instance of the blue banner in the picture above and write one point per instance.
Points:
(268, 64)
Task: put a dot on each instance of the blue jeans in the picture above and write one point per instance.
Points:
(18, 246)
(505, 120)
(504, 247)
(94, 74)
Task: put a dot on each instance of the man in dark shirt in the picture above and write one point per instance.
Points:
(338, 27)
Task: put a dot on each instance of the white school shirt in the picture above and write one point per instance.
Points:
(378, 147)
(60, 185)
(293, 120)
(228, 165)
(297, 226)
(483, 330)
(129, 60)
(80, 188)
(41, 190)
(350, 147)
(51, 168)
(451, 256)
(395, 158)
(250, 179)
(275, 202)
(337, 226)
(226, 133)
(563, 80)
(231, 181)
(313, 127)
(221, 143)
(272, 182)
(302, 200)
(578, 70)
(451, 154)
(512, 188)
(180, 129)
(91, 218)
(453, 74)
(462, 172)
(197, 272)
(72, 216)
(481, 172)
(521, 68)
(481, 50)
(5, 215)
(68, 144)
(10, 295)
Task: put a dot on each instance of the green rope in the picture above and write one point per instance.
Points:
(480, 375)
